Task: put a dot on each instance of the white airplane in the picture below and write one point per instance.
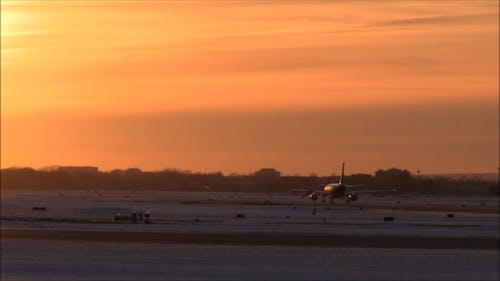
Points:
(341, 190)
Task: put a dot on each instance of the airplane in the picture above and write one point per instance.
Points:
(341, 190)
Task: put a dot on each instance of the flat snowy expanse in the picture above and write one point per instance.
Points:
(204, 212)
(216, 211)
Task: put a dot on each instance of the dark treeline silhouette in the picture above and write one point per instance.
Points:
(85, 178)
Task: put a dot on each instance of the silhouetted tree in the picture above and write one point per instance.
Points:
(394, 178)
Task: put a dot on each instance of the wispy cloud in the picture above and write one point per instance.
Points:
(29, 40)
(25, 33)
(439, 20)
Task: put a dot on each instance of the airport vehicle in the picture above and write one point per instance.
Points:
(341, 190)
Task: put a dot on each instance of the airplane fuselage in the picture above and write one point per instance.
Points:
(335, 190)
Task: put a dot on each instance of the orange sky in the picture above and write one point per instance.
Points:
(239, 85)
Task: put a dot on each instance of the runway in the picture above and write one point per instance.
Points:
(86, 260)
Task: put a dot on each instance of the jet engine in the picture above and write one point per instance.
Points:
(352, 197)
(313, 196)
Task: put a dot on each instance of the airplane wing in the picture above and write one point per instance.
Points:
(374, 190)
(300, 191)
(368, 190)
(305, 192)
(354, 185)
(310, 193)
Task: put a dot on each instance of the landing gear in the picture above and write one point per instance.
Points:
(314, 197)
(330, 203)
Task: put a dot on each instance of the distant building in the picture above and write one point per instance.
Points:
(268, 175)
(79, 169)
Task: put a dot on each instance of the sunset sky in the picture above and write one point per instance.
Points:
(235, 86)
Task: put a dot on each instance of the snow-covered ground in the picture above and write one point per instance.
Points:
(35, 259)
(202, 211)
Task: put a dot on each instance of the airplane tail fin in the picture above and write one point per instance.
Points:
(342, 175)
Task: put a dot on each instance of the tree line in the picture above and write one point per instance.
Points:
(171, 179)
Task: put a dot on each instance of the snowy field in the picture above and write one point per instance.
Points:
(33, 258)
(70, 260)
(196, 211)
